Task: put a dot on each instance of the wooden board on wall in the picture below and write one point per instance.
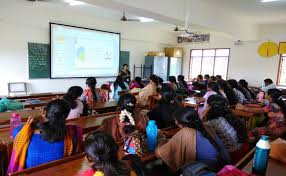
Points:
(39, 60)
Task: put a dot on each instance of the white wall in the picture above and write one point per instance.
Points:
(244, 63)
(22, 22)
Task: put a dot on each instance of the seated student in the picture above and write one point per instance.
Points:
(173, 83)
(207, 78)
(182, 84)
(78, 108)
(118, 86)
(212, 89)
(162, 113)
(150, 89)
(213, 79)
(276, 111)
(230, 130)
(137, 83)
(102, 153)
(248, 93)
(92, 94)
(218, 77)
(237, 90)
(268, 84)
(199, 83)
(115, 127)
(44, 139)
(230, 94)
(194, 142)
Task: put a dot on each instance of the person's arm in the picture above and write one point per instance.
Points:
(250, 109)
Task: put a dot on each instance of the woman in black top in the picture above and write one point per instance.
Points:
(125, 73)
(162, 113)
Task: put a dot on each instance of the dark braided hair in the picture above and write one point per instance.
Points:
(119, 82)
(214, 86)
(102, 151)
(72, 95)
(91, 83)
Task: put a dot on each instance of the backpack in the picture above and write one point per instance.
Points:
(196, 168)
(135, 144)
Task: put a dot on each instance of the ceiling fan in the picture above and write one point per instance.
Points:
(124, 18)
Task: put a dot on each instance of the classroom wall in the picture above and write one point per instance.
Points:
(244, 61)
(24, 22)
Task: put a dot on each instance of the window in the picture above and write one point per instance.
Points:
(209, 61)
(282, 71)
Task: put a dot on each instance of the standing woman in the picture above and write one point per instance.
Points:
(125, 73)
(78, 108)
(92, 94)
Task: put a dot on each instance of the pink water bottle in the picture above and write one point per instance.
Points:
(15, 121)
(260, 96)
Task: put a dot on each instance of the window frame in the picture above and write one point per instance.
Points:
(191, 58)
(279, 70)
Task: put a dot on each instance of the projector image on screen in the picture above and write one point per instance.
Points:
(80, 52)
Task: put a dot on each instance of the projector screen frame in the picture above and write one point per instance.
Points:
(92, 29)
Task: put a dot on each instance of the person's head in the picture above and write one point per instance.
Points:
(167, 95)
(128, 102)
(55, 113)
(154, 79)
(125, 67)
(73, 93)
(102, 152)
(187, 117)
(218, 77)
(139, 81)
(91, 82)
(213, 79)
(213, 86)
(181, 78)
(243, 83)
(275, 96)
(268, 81)
(207, 76)
(172, 79)
(119, 82)
(200, 77)
(232, 83)
(231, 96)
(160, 80)
(218, 107)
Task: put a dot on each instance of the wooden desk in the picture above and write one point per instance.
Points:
(89, 123)
(24, 114)
(108, 106)
(274, 168)
(29, 105)
(34, 96)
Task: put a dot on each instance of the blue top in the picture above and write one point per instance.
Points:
(206, 152)
(41, 151)
(118, 89)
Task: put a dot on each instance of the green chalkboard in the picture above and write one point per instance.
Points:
(124, 58)
(39, 60)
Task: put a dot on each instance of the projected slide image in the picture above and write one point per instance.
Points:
(92, 54)
(80, 52)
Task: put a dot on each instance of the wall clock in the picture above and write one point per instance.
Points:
(268, 49)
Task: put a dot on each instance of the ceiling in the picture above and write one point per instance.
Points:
(255, 10)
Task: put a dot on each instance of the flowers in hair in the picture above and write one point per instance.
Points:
(124, 113)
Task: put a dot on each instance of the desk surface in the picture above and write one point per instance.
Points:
(274, 168)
